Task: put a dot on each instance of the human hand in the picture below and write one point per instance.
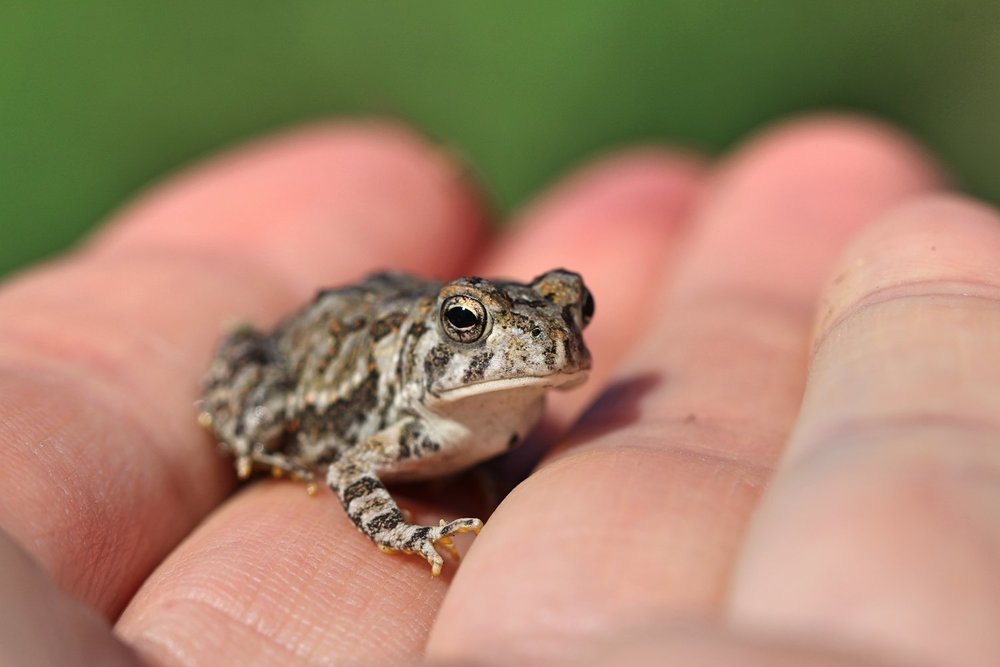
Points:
(647, 534)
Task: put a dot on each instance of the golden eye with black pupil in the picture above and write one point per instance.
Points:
(587, 306)
(463, 319)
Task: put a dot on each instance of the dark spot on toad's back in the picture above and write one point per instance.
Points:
(355, 324)
(417, 330)
(248, 346)
(346, 414)
(387, 325)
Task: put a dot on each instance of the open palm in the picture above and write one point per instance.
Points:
(788, 449)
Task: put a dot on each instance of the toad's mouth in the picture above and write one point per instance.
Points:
(560, 381)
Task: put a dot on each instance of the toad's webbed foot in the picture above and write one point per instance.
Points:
(423, 540)
(376, 514)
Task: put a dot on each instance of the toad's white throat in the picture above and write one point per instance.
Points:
(542, 382)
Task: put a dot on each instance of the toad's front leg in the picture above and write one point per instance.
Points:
(355, 480)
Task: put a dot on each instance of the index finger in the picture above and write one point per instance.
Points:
(101, 352)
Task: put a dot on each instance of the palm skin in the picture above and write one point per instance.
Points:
(787, 451)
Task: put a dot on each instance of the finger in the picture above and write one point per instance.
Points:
(102, 353)
(317, 205)
(645, 510)
(274, 577)
(881, 530)
(261, 576)
(41, 625)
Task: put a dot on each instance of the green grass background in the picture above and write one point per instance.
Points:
(99, 98)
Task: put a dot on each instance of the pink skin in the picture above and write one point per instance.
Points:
(694, 514)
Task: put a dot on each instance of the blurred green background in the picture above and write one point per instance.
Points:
(99, 98)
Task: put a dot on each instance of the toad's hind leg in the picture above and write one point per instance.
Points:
(355, 481)
(243, 402)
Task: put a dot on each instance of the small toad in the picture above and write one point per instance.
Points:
(397, 378)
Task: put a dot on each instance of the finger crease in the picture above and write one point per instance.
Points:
(101, 381)
(907, 291)
(685, 437)
(851, 434)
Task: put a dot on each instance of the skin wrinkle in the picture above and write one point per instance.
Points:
(680, 436)
(112, 399)
(285, 565)
(894, 468)
(691, 426)
(845, 434)
(949, 399)
(906, 291)
(906, 453)
(149, 638)
(117, 378)
(52, 351)
(95, 544)
(219, 603)
(637, 461)
(154, 647)
(907, 507)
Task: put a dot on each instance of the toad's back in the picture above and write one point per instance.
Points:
(326, 378)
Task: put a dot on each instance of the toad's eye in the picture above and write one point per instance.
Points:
(463, 319)
(587, 306)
